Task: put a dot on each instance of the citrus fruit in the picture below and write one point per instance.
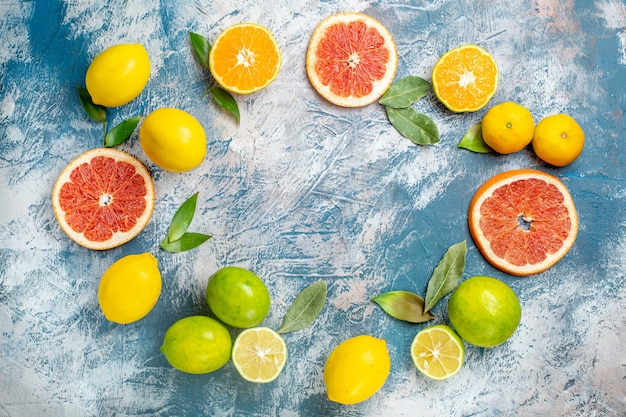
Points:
(173, 139)
(438, 352)
(558, 139)
(465, 78)
(238, 297)
(130, 288)
(118, 74)
(197, 345)
(259, 354)
(508, 127)
(484, 311)
(356, 369)
(523, 221)
(245, 58)
(351, 59)
(103, 198)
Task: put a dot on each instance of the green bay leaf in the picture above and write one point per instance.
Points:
(446, 275)
(185, 242)
(473, 140)
(182, 219)
(120, 133)
(305, 308)
(405, 92)
(404, 305)
(201, 48)
(226, 101)
(94, 111)
(418, 128)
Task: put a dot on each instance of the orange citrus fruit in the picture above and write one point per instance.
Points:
(523, 221)
(351, 59)
(245, 58)
(465, 78)
(558, 139)
(118, 74)
(508, 127)
(103, 198)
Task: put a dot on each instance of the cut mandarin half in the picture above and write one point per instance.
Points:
(351, 59)
(103, 198)
(259, 354)
(465, 78)
(438, 352)
(245, 58)
(523, 221)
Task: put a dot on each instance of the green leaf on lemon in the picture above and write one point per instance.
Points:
(418, 128)
(405, 92)
(446, 275)
(94, 111)
(120, 133)
(404, 305)
(184, 243)
(226, 101)
(305, 308)
(201, 47)
(473, 140)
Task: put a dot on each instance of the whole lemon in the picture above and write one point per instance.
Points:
(507, 127)
(118, 74)
(130, 288)
(484, 311)
(238, 297)
(356, 369)
(558, 139)
(197, 345)
(173, 139)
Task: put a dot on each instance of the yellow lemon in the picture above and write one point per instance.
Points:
(173, 139)
(130, 288)
(508, 127)
(356, 369)
(558, 139)
(118, 74)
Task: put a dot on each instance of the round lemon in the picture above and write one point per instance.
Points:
(130, 288)
(173, 139)
(507, 127)
(558, 139)
(356, 369)
(197, 345)
(118, 74)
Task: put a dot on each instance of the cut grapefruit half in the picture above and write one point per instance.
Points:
(523, 221)
(103, 198)
(351, 59)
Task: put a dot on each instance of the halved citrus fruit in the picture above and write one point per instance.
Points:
(465, 78)
(351, 59)
(103, 198)
(259, 354)
(245, 58)
(523, 221)
(438, 352)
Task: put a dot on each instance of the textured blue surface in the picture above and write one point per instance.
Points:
(301, 191)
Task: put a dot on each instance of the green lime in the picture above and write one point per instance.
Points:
(197, 345)
(484, 311)
(238, 297)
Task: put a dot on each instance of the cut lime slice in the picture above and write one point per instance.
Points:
(438, 352)
(259, 354)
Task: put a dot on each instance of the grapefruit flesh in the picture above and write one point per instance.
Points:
(523, 221)
(103, 198)
(351, 59)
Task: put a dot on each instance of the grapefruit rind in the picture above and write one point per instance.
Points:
(379, 86)
(118, 238)
(484, 245)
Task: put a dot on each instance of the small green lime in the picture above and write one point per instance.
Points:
(238, 297)
(197, 345)
(484, 311)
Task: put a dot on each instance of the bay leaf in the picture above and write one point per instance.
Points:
(446, 275)
(201, 48)
(404, 305)
(182, 219)
(305, 308)
(184, 243)
(473, 140)
(226, 101)
(417, 127)
(94, 111)
(404, 92)
(120, 133)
